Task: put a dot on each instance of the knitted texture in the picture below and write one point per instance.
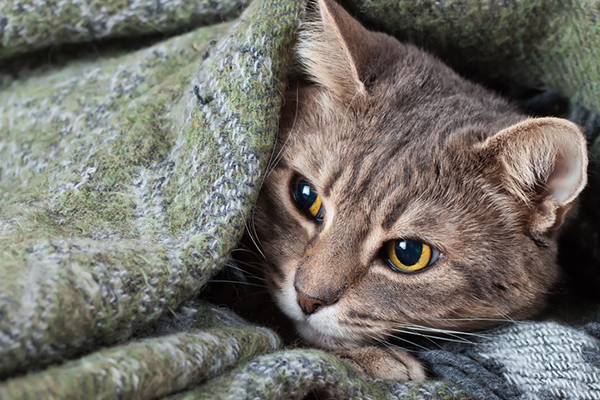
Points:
(544, 44)
(151, 368)
(297, 373)
(127, 174)
(529, 360)
(32, 25)
(132, 193)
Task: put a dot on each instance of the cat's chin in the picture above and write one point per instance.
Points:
(325, 341)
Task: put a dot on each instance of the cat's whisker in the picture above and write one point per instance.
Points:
(235, 264)
(403, 339)
(250, 264)
(477, 319)
(275, 160)
(260, 292)
(504, 318)
(250, 225)
(396, 337)
(431, 329)
(400, 331)
(247, 251)
(238, 282)
(455, 340)
(444, 331)
(253, 235)
(384, 332)
(509, 319)
(254, 276)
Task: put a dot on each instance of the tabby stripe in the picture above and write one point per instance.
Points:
(332, 180)
(475, 282)
(394, 214)
(378, 169)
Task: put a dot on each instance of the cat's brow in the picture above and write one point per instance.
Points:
(394, 215)
(332, 180)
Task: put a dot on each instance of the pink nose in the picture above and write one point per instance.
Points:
(308, 304)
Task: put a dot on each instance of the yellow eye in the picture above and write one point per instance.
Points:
(409, 255)
(307, 200)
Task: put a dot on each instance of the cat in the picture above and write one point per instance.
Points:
(405, 198)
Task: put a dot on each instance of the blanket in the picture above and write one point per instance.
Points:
(134, 136)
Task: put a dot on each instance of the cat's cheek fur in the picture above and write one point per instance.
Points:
(285, 296)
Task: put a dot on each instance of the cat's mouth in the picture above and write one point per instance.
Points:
(322, 328)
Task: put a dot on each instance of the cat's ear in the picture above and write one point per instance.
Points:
(543, 162)
(334, 49)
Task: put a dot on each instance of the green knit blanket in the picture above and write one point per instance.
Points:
(134, 136)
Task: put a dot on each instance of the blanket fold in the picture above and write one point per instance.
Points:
(29, 26)
(212, 341)
(127, 177)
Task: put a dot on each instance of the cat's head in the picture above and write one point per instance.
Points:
(403, 196)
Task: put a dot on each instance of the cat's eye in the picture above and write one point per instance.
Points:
(307, 200)
(406, 255)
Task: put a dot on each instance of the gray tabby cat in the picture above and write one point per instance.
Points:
(406, 198)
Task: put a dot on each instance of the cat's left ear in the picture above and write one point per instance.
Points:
(542, 162)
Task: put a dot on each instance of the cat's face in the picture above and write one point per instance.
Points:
(394, 201)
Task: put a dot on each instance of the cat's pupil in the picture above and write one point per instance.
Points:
(408, 252)
(307, 200)
(307, 196)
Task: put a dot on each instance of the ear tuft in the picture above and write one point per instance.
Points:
(543, 162)
(334, 49)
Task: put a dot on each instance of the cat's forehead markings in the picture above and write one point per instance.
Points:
(333, 178)
(410, 217)
(279, 163)
(394, 214)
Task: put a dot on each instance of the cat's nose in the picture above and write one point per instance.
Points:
(308, 304)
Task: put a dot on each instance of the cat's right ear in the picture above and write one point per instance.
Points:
(334, 49)
(543, 163)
